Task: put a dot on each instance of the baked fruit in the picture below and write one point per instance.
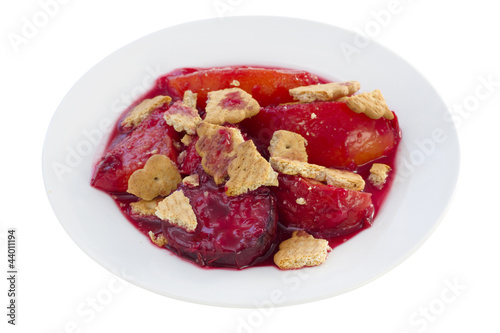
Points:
(241, 166)
(337, 137)
(232, 231)
(267, 85)
(322, 210)
(130, 152)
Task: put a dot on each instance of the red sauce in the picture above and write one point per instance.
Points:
(257, 207)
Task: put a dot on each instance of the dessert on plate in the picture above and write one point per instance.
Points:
(242, 166)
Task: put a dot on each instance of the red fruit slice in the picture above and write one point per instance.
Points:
(190, 160)
(337, 137)
(267, 86)
(322, 210)
(152, 136)
(233, 232)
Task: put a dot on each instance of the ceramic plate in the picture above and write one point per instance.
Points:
(427, 164)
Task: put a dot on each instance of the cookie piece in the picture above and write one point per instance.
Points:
(288, 145)
(177, 210)
(291, 167)
(191, 181)
(159, 176)
(324, 92)
(159, 240)
(378, 174)
(249, 171)
(342, 178)
(190, 99)
(187, 139)
(372, 104)
(182, 117)
(230, 105)
(143, 110)
(301, 250)
(216, 146)
(145, 207)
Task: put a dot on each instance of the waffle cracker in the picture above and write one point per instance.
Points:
(291, 167)
(342, 178)
(145, 207)
(378, 174)
(372, 104)
(324, 92)
(289, 145)
(177, 210)
(182, 117)
(230, 105)
(301, 250)
(143, 110)
(216, 146)
(249, 171)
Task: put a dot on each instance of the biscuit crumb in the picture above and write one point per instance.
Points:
(313, 116)
(324, 92)
(378, 174)
(288, 145)
(176, 144)
(187, 139)
(301, 250)
(216, 146)
(372, 104)
(235, 83)
(190, 99)
(145, 207)
(159, 176)
(159, 240)
(342, 178)
(143, 110)
(291, 167)
(301, 201)
(191, 181)
(181, 157)
(182, 117)
(230, 105)
(177, 210)
(249, 171)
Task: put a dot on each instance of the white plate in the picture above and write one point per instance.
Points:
(427, 164)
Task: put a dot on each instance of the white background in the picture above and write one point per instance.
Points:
(454, 44)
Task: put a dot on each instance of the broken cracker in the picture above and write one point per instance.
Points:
(378, 174)
(324, 92)
(159, 240)
(230, 105)
(187, 139)
(191, 181)
(190, 99)
(249, 171)
(289, 145)
(143, 110)
(216, 146)
(159, 176)
(177, 210)
(145, 207)
(301, 201)
(182, 117)
(342, 178)
(181, 157)
(301, 250)
(372, 104)
(291, 167)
